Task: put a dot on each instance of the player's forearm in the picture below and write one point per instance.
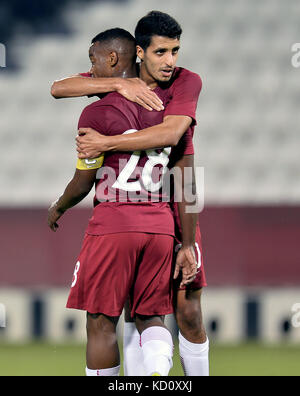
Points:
(146, 139)
(185, 190)
(73, 194)
(83, 86)
(188, 199)
(166, 134)
(150, 138)
(188, 225)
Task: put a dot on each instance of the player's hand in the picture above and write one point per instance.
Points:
(187, 264)
(53, 216)
(90, 143)
(136, 90)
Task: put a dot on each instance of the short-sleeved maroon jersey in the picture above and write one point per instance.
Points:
(183, 93)
(127, 178)
(180, 97)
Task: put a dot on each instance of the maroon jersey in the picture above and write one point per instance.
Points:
(125, 182)
(180, 97)
(129, 197)
(181, 94)
(88, 74)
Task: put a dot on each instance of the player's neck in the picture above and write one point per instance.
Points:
(129, 72)
(146, 77)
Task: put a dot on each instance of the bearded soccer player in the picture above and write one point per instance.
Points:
(158, 39)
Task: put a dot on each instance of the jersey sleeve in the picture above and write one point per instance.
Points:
(185, 95)
(184, 147)
(187, 142)
(85, 75)
(103, 118)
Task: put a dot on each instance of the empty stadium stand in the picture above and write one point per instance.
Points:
(246, 138)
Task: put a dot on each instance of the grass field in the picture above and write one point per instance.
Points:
(41, 359)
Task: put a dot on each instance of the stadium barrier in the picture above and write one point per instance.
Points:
(242, 246)
(231, 315)
(253, 284)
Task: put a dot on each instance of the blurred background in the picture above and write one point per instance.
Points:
(247, 140)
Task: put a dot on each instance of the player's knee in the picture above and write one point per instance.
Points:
(189, 317)
(191, 325)
(100, 324)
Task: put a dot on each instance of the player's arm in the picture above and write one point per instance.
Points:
(185, 188)
(133, 89)
(78, 188)
(167, 134)
(178, 117)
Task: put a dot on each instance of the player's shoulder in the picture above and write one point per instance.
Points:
(112, 108)
(91, 109)
(96, 112)
(182, 74)
(113, 100)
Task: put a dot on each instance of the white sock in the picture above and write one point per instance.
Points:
(157, 347)
(110, 372)
(194, 357)
(132, 351)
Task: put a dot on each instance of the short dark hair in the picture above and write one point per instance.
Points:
(112, 34)
(156, 23)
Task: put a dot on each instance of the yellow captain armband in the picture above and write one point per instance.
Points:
(87, 164)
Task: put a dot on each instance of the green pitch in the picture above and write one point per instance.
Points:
(69, 360)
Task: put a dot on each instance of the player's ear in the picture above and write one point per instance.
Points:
(140, 52)
(113, 59)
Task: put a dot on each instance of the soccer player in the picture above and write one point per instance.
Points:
(158, 42)
(131, 255)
